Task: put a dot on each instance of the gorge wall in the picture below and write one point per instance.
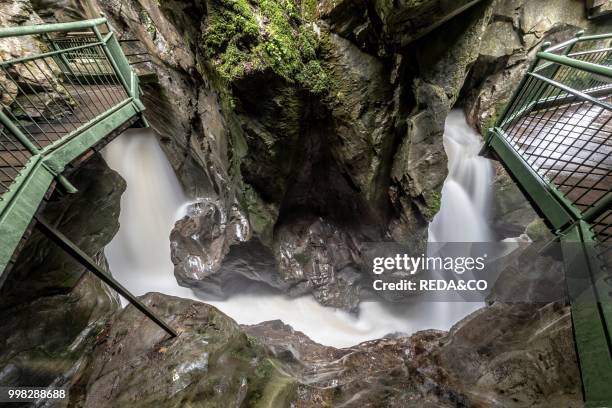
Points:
(313, 127)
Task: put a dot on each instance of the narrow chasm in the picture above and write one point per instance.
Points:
(289, 145)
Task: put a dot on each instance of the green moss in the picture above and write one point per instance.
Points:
(314, 77)
(433, 205)
(492, 120)
(309, 10)
(261, 216)
(146, 20)
(243, 36)
(257, 382)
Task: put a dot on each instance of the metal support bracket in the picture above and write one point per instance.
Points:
(74, 251)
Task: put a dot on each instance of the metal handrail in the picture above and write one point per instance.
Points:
(51, 96)
(578, 64)
(58, 92)
(18, 31)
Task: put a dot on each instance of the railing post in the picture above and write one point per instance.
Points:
(76, 253)
(61, 58)
(122, 74)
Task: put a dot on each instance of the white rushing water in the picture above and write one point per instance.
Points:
(139, 255)
(466, 194)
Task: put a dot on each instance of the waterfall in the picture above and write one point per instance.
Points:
(139, 255)
(466, 193)
(465, 204)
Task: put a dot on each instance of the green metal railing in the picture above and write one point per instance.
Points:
(555, 138)
(69, 88)
(65, 88)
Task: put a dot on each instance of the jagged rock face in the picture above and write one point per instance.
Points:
(406, 20)
(313, 256)
(326, 109)
(50, 307)
(483, 361)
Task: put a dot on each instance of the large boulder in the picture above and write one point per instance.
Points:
(212, 362)
(201, 240)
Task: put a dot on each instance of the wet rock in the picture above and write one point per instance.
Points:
(483, 361)
(212, 361)
(291, 346)
(353, 21)
(311, 256)
(514, 356)
(201, 240)
(362, 119)
(51, 308)
(314, 256)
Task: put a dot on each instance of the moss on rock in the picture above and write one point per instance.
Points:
(247, 36)
(433, 205)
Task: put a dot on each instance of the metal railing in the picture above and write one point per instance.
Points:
(63, 88)
(555, 138)
(61, 83)
(559, 124)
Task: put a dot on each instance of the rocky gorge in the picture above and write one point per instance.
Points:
(300, 131)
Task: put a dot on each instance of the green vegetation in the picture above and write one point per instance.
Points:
(146, 20)
(309, 10)
(245, 36)
(302, 258)
(433, 205)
